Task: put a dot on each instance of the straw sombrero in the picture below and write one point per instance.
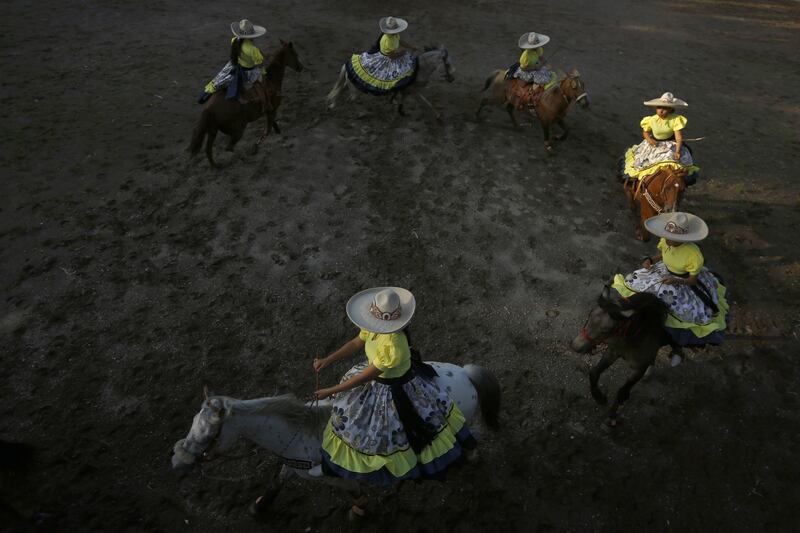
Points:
(381, 309)
(392, 25)
(679, 227)
(244, 29)
(532, 40)
(666, 100)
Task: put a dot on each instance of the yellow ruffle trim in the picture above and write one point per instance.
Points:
(398, 463)
(355, 61)
(631, 171)
(700, 330)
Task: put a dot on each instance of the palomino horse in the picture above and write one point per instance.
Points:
(551, 106)
(292, 430)
(432, 61)
(633, 329)
(656, 193)
(231, 116)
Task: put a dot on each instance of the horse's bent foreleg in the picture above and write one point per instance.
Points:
(564, 130)
(594, 376)
(624, 393)
(333, 96)
(483, 103)
(510, 111)
(212, 134)
(435, 113)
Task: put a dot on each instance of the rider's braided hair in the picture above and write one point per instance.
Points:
(236, 49)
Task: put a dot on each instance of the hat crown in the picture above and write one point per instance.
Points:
(668, 97)
(391, 23)
(387, 301)
(245, 26)
(533, 37)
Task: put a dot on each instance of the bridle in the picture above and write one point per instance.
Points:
(643, 190)
(566, 97)
(621, 328)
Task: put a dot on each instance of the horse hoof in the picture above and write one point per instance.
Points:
(613, 422)
(258, 509)
(549, 149)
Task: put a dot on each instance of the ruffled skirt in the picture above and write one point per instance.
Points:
(366, 440)
(642, 160)
(378, 74)
(235, 77)
(691, 321)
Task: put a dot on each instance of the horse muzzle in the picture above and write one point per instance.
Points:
(583, 100)
(581, 344)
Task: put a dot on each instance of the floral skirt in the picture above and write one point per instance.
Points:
(642, 160)
(691, 321)
(365, 438)
(378, 74)
(236, 78)
(540, 76)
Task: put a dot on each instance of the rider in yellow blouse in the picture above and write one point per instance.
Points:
(664, 125)
(245, 65)
(388, 352)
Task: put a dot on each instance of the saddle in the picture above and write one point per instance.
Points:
(523, 95)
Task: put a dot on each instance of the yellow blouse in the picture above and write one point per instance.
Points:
(390, 43)
(389, 352)
(530, 58)
(683, 258)
(663, 128)
(250, 55)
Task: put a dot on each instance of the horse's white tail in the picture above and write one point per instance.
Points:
(488, 393)
(337, 88)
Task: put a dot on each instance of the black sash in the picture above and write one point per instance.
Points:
(420, 433)
(701, 291)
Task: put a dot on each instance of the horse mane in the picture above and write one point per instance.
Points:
(287, 406)
(649, 313)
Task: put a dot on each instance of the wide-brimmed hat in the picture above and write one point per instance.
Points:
(392, 25)
(666, 100)
(678, 226)
(532, 40)
(244, 29)
(381, 309)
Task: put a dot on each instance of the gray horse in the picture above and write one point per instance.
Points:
(431, 61)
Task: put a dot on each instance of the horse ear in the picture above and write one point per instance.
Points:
(604, 294)
(575, 73)
(205, 392)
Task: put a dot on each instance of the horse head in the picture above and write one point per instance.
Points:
(572, 86)
(672, 191)
(206, 427)
(603, 321)
(290, 56)
(441, 56)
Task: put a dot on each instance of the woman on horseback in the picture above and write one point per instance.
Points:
(663, 143)
(389, 419)
(532, 67)
(695, 297)
(245, 65)
(386, 67)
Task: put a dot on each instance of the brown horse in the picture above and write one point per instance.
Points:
(231, 116)
(656, 193)
(550, 106)
(633, 328)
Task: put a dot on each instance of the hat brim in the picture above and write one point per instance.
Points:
(525, 45)
(698, 229)
(661, 103)
(359, 304)
(258, 31)
(402, 24)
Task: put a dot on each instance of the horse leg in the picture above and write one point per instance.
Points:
(546, 130)
(435, 113)
(594, 376)
(399, 102)
(271, 491)
(564, 130)
(677, 356)
(483, 103)
(236, 135)
(212, 134)
(510, 111)
(624, 393)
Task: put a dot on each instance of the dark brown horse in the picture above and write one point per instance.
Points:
(633, 329)
(656, 193)
(232, 116)
(550, 105)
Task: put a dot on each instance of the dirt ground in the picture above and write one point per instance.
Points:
(132, 277)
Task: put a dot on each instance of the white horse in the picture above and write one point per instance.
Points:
(430, 62)
(292, 430)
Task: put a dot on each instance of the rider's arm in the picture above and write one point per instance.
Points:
(648, 138)
(348, 349)
(652, 260)
(678, 143)
(368, 374)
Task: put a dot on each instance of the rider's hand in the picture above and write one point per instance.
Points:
(319, 364)
(321, 394)
(676, 155)
(651, 141)
(648, 263)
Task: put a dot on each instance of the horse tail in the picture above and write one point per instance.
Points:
(488, 394)
(199, 132)
(337, 87)
(490, 80)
